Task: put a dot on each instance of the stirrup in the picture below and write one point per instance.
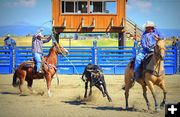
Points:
(133, 79)
(40, 72)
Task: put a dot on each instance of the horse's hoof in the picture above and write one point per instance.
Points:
(21, 94)
(157, 109)
(90, 94)
(127, 108)
(50, 95)
(104, 95)
(149, 109)
(110, 100)
(41, 93)
(34, 92)
(162, 105)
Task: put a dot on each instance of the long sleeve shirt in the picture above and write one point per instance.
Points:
(148, 40)
(9, 42)
(38, 43)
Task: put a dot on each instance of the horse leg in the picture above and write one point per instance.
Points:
(106, 92)
(21, 86)
(29, 85)
(48, 80)
(90, 92)
(100, 88)
(162, 86)
(86, 88)
(151, 87)
(21, 79)
(145, 96)
(127, 87)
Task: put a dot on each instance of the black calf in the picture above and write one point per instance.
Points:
(94, 75)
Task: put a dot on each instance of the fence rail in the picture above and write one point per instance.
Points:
(112, 60)
(6, 60)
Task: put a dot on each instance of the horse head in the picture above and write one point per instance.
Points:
(160, 49)
(60, 49)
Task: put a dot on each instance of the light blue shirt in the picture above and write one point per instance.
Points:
(148, 40)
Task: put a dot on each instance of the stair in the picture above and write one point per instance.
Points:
(132, 29)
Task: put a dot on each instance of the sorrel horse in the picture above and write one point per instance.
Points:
(26, 70)
(153, 74)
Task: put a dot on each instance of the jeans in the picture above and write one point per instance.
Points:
(139, 57)
(37, 57)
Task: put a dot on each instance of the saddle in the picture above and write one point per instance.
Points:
(143, 64)
(32, 64)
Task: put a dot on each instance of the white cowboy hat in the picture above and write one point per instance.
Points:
(39, 34)
(8, 35)
(149, 24)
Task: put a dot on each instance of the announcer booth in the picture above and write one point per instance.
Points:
(89, 16)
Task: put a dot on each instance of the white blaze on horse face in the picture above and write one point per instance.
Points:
(63, 50)
(67, 52)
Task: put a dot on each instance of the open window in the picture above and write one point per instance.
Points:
(109, 7)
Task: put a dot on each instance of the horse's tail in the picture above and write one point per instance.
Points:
(15, 83)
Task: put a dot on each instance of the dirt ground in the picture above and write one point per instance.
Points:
(67, 99)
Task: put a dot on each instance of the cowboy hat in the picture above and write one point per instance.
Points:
(149, 24)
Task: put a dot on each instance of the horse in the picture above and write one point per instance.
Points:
(26, 70)
(93, 74)
(152, 74)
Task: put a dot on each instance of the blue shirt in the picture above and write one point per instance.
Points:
(9, 42)
(37, 44)
(148, 40)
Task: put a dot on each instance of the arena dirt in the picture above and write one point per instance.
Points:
(68, 101)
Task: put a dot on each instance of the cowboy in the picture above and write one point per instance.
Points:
(148, 42)
(37, 49)
(9, 42)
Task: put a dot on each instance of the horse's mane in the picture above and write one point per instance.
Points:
(161, 44)
(50, 50)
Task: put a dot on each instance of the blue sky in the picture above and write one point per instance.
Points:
(165, 13)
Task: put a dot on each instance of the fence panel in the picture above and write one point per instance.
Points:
(76, 61)
(170, 60)
(6, 60)
(113, 60)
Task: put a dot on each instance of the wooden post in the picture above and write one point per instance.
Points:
(135, 31)
(56, 36)
(121, 39)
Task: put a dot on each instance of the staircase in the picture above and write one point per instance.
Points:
(132, 29)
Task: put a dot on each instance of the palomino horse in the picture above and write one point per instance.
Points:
(26, 70)
(153, 74)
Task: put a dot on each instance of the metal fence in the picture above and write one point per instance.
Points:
(6, 60)
(112, 60)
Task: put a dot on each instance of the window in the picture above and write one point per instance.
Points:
(107, 7)
(74, 6)
(110, 7)
(81, 7)
(67, 6)
(96, 7)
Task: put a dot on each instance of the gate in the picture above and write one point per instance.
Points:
(6, 60)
